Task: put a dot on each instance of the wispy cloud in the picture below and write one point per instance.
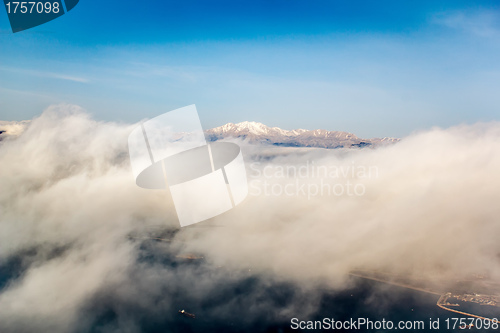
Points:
(45, 74)
(24, 92)
(426, 212)
(483, 23)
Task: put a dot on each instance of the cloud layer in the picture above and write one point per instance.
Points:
(69, 210)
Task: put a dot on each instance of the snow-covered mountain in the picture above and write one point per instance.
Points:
(12, 128)
(254, 132)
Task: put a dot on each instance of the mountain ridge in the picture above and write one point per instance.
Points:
(254, 132)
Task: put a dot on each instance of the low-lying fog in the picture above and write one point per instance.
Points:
(427, 205)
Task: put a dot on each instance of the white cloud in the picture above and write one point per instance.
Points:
(479, 23)
(68, 192)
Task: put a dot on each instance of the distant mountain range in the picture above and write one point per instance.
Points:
(253, 132)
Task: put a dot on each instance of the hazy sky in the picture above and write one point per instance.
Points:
(383, 68)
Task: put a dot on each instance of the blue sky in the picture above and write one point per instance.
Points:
(374, 68)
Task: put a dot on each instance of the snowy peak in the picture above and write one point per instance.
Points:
(255, 132)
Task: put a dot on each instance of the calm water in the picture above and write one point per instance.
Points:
(244, 304)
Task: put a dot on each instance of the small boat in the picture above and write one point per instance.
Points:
(187, 314)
